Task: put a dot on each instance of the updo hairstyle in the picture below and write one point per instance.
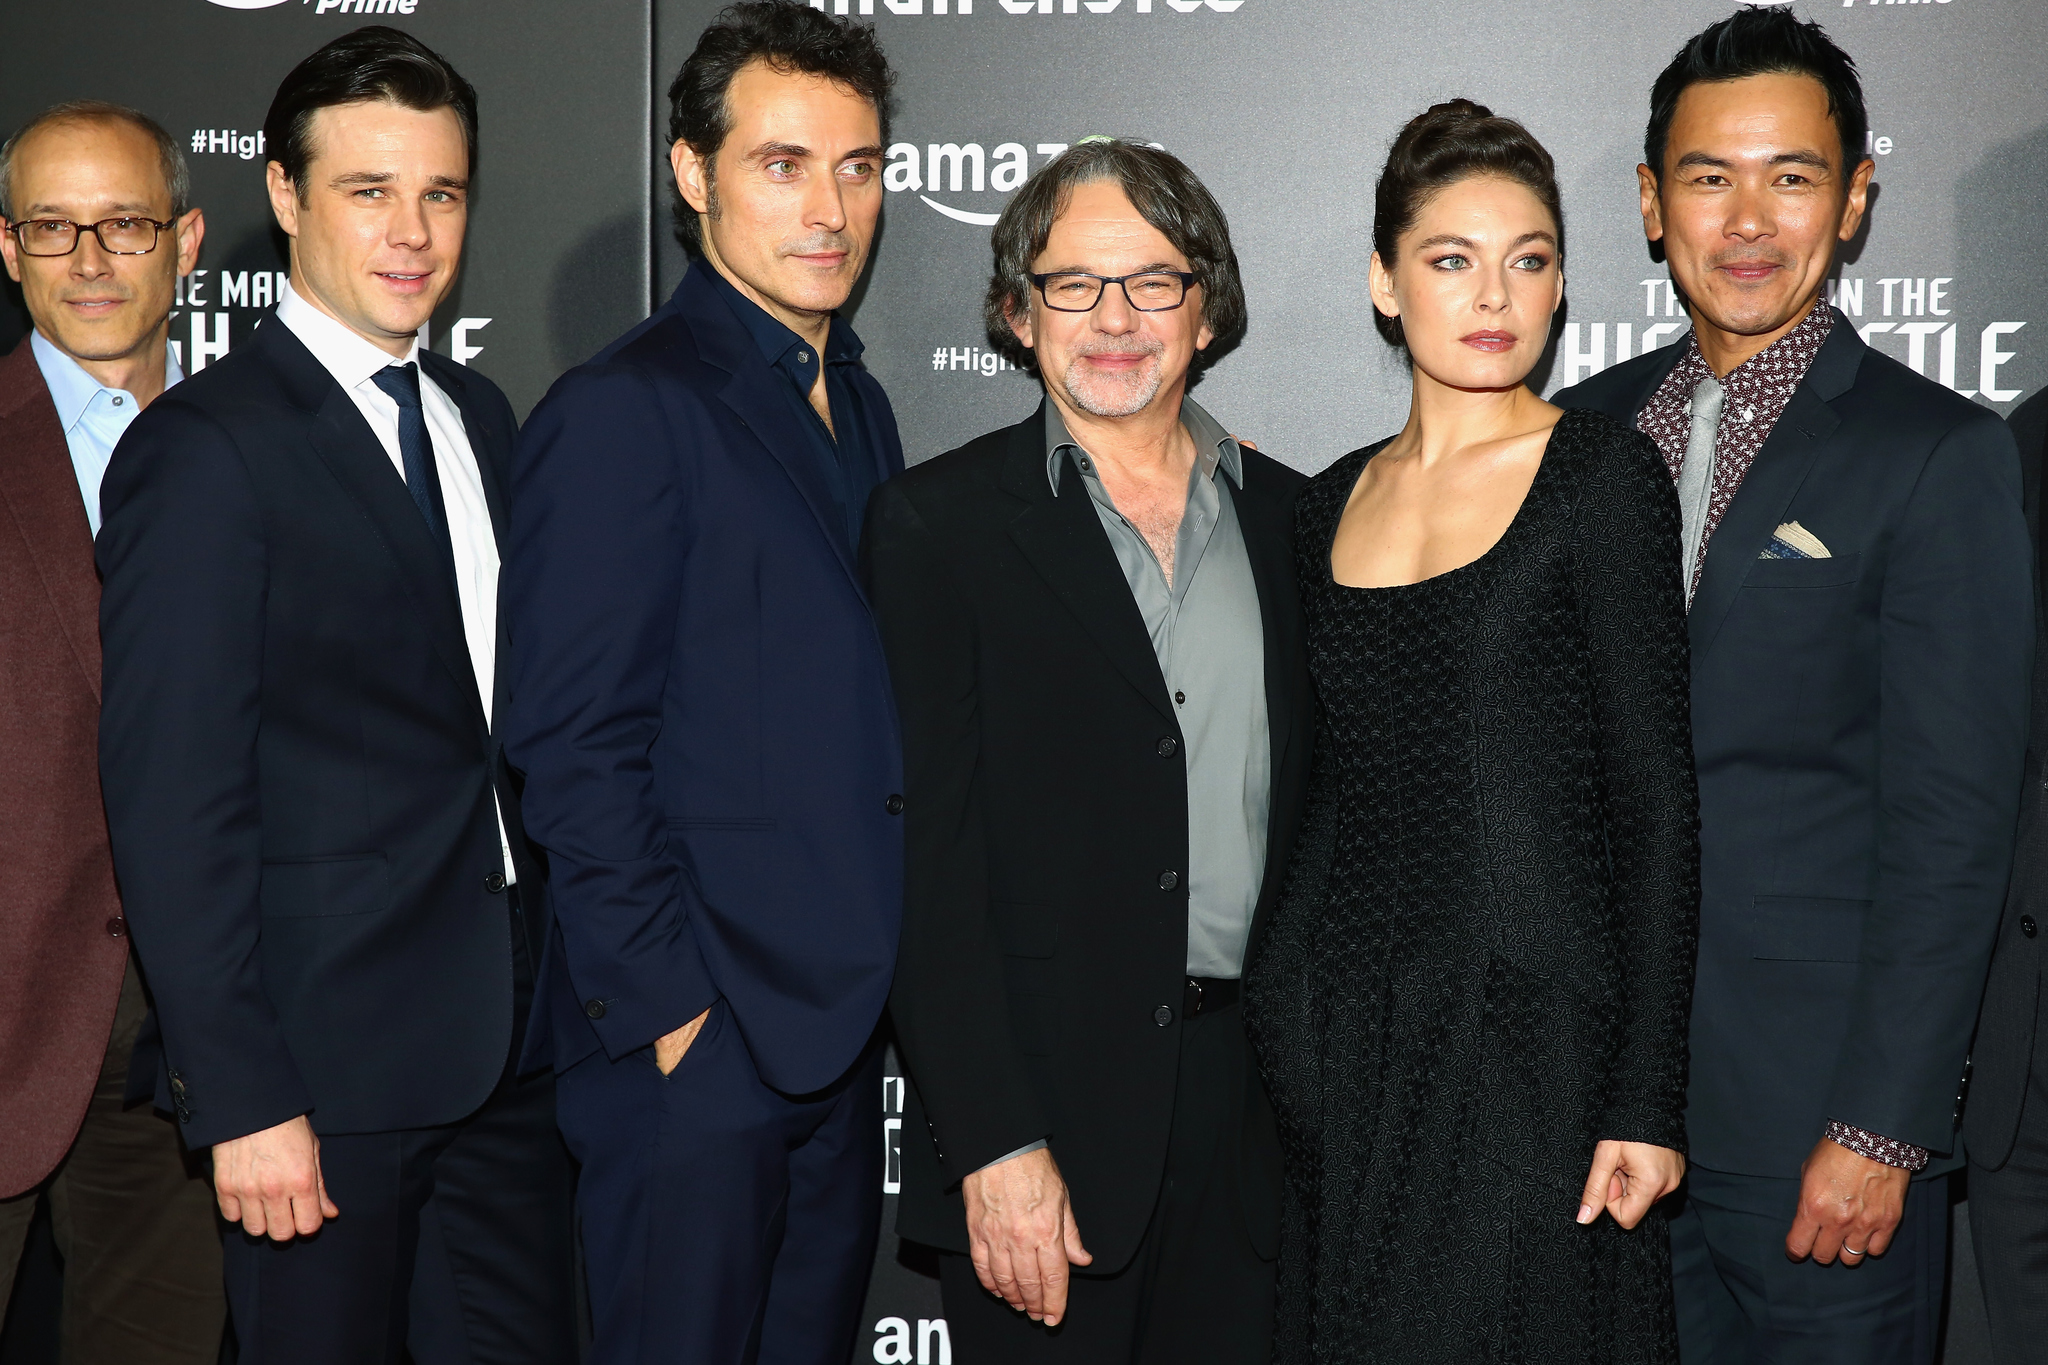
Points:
(1444, 144)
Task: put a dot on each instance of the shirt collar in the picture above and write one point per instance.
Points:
(350, 358)
(1214, 446)
(1794, 351)
(774, 339)
(71, 388)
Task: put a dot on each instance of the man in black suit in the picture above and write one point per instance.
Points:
(1092, 627)
(2005, 1124)
(1861, 620)
(321, 863)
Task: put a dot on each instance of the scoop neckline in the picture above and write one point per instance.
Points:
(1330, 544)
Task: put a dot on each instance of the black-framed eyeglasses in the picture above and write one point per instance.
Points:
(123, 236)
(1155, 291)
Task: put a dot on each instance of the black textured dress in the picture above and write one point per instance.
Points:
(1482, 964)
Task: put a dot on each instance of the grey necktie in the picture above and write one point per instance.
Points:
(1696, 475)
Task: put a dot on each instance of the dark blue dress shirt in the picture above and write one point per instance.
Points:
(851, 460)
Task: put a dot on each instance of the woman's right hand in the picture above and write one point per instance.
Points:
(1628, 1177)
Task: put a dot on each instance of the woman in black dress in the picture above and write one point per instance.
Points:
(1471, 1004)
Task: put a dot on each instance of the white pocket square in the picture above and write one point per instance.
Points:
(1793, 541)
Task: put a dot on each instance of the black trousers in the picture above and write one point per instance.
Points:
(1196, 1290)
(134, 1218)
(453, 1246)
(1741, 1301)
(2009, 1231)
(724, 1222)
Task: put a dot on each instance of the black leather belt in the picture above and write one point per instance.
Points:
(1207, 994)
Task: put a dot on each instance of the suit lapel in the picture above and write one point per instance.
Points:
(760, 398)
(1272, 561)
(1064, 542)
(40, 490)
(1773, 480)
(351, 452)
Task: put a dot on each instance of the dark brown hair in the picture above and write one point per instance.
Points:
(371, 63)
(789, 38)
(1165, 193)
(1442, 145)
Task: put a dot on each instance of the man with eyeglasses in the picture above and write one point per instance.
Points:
(96, 231)
(1093, 631)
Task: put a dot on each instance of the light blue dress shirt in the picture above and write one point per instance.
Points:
(93, 416)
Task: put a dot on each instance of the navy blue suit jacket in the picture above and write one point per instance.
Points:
(700, 706)
(1859, 723)
(297, 770)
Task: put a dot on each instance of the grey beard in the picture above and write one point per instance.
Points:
(1113, 398)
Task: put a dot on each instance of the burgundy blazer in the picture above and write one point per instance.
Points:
(63, 946)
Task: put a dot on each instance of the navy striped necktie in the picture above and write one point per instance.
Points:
(422, 479)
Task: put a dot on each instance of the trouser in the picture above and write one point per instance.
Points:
(454, 1244)
(1741, 1301)
(133, 1215)
(2009, 1230)
(724, 1222)
(1196, 1290)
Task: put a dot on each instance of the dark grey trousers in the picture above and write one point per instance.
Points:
(2009, 1230)
(1742, 1301)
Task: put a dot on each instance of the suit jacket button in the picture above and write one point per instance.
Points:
(494, 883)
(2027, 925)
(894, 805)
(1163, 1015)
(1168, 880)
(117, 927)
(594, 1008)
(1168, 747)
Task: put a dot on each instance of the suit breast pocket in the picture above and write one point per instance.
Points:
(1806, 929)
(318, 888)
(1804, 573)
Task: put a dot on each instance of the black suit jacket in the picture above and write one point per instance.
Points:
(2004, 1055)
(1038, 941)
(1858, 725)
(297, 770)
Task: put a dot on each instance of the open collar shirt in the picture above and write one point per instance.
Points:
(1209, 636)
(94, 417)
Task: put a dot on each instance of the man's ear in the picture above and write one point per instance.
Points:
(1020, 322)
(284, 198)
(8, 249)
(1653, 208)
(693, 175)
(191, 232)
(1859, 198)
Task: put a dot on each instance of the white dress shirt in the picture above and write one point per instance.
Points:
(354, 362)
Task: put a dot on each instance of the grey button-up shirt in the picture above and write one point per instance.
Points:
(1210, 640)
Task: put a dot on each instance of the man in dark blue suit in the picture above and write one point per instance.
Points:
(323, 871)
(703, 716)
(1862, 633)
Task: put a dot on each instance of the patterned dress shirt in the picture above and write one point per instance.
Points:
(1758, 392)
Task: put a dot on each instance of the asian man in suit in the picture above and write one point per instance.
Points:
(321, 861)
(1861, 615)
(701, 713)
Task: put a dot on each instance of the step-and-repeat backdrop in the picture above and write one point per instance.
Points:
(1285, 108)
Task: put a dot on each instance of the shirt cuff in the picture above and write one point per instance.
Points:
(1037, 1146)
(1889, 1152)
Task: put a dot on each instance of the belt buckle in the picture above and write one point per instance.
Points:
(1197, 1006)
